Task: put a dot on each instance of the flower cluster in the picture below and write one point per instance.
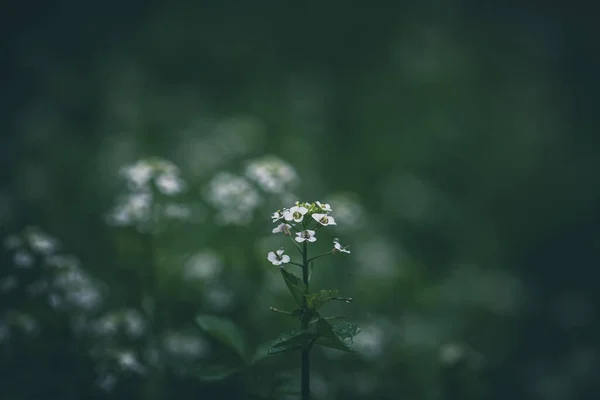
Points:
(146, 179)
(303, 220)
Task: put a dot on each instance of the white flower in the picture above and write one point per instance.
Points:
(295, 213)
(324, 219)
(284, 228)
(338, 247)
(169, 184)
(277, 215)
(324, 206)
(306, 235)
(278, 258)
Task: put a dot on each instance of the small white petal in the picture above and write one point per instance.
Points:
(285, 259)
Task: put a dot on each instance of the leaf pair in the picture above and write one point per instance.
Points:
(231, 336)
(338, 336)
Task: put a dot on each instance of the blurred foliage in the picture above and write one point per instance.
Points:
(456, 142)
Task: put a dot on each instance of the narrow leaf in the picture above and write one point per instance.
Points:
(261, 352)
(293, 340)
(215, 372)
(295, 285)
(316, 300)
(225, 331)
(338, 336)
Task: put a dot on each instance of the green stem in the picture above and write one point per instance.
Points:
(305, 362)
(320, 255)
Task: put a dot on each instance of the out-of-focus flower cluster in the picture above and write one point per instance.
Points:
(272, 174)
(39, 272)
(146, 179)
(236, 197)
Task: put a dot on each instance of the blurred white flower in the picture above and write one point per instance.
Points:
(370, 341)
(278, 258)
(133, 323)
(107, 381)
(23, 259)
(128, 361)
(234, 197)
(185, 346)
(219, 298)
(272, 174)
(26, 323)
(137, 175)
(169, 184)
(205, 264)
(347, 209)
(41, 242)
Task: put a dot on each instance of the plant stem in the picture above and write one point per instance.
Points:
(305, 374)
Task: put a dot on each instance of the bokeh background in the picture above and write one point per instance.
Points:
(455, 141)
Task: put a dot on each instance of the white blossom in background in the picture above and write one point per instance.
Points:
(370, 342)
(23, 259)
(129, 362)
(377, 259)
(185, 346)
(144, 179)
(218, 298)
(134, 324)
(205, 264)
(65, 285)
(234, 198)
(347, 209)
(129, 321)
(272, 174)
(25, 323)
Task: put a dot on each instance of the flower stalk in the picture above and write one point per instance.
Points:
(305, 219)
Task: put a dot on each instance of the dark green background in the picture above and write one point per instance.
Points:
(466, 131)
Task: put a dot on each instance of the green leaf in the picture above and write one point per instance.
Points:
(225, 331)
(216, 372)
(295, 285)
(261, 352)
(293, 340)
(316, 300)
(338, 336)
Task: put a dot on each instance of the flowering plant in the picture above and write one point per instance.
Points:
(301, 223)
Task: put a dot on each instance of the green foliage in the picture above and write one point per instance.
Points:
(225, 331)
(295, 339)
(339, 336)
(295, 285)
(216, 372)
(317, 300)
